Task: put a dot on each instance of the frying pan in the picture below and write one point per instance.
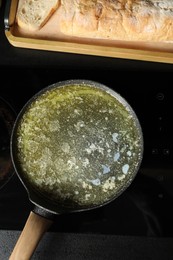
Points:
(76, 145)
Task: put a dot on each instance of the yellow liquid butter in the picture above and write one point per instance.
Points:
(79, 144)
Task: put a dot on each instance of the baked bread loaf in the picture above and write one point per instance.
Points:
(33, 14)
(131, 20)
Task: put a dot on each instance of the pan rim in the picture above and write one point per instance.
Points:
(32, 193)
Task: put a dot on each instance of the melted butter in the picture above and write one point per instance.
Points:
(74, 144)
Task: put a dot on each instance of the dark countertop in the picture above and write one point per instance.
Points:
(92, 247)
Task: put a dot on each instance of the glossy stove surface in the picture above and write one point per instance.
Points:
(145, 207)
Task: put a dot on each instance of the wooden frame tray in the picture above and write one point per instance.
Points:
(47, 39)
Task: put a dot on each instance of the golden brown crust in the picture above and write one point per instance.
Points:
(124, 20)
(118, 19)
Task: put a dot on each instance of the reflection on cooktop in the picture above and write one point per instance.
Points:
(144, 208)
(7, 118)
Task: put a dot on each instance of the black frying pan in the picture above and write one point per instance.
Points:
(76, 145)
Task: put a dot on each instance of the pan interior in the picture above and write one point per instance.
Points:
(78, 145)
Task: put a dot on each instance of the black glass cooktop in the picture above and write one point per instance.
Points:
(145, 207)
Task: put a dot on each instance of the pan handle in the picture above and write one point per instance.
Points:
(30, 236)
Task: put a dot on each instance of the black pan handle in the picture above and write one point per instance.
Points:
(44, 213)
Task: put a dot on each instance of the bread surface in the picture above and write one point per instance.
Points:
(33, 14)
(131, 20)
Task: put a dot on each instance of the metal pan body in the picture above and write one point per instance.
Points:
(76, 145)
